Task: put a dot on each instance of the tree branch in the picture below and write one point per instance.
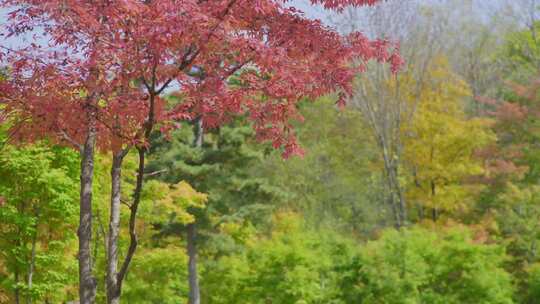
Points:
(68, 138)
(132, 218)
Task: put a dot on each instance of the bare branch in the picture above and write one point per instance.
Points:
(150, 174)
(68, 138)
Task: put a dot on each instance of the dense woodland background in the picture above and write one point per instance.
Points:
(424, 188)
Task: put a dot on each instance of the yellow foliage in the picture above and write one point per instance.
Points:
(285, 222)
(175, 200)
(440, 141)
(242, 232)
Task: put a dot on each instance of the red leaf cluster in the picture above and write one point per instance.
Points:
(515, 128)
(224, 57)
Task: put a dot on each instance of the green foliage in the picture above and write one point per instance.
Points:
(516, 211)
(419, 266)
(156, 277)
(292, 265)
(521, 53)
(299, 265)
(337, 183)
(38, 186)
(533, 284)
(222, 168)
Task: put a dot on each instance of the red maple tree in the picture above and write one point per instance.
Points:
(94, 74)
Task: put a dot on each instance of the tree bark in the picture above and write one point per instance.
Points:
(115, 278)
(395, 210)
(87, 282)
(31, 270)
(398, 192)
(32, 265)
(113, 291)
(434, 211)
(194, 291)
(397, 199)
(133, 239)
(402, 206)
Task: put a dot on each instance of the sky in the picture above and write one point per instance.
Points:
(483, 7)
(312, 11)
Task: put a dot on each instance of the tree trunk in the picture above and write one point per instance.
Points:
(396, 198)
(17, 292)
(87, 282)
(402, 206)
(32, 263)
(133, 240)
(420, 212)
(434, 211)
(114, 277)
(396, 189)
(194, 292)
(393, 205)
(113, 292)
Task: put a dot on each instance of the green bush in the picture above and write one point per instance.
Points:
(291, 266)
(418, 266)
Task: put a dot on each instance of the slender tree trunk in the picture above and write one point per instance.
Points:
(113, 292)
(133, 239)
(434, 211)
(31, 271)
(402, 206)
(194, 290)
(32, 264)
(116, 278)
(400, 198)
(394, 193)
(87, 282)
(395, 211)
(418, 185)
(18, 243)
(198, 131)
(17, 291)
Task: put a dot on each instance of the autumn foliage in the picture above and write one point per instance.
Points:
(113, 56)
(516, 128)
(95, 73)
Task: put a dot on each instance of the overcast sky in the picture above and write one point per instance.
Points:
(311, 11)
(481, 7)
